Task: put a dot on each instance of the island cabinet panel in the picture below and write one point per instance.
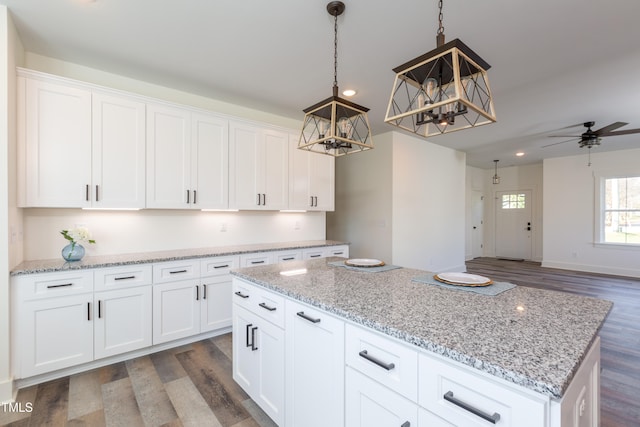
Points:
(216, 301)
(369, 404)
(315, 367)
(467, 398)
(259, 361)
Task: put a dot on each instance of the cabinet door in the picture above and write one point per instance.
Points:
(245, 355)
(315, 367)
(244, 178)
(322, 181)
(56, 333)
(276, 170)
(369, 404)
(122, 320)
(215, 310)
(168, 157)
(176, 310)
(210, 162)
(118, 152)
(56, 133)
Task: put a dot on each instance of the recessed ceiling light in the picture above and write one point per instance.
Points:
(349, 92)
(519, 154)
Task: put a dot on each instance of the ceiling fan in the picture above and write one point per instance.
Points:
(591, 138)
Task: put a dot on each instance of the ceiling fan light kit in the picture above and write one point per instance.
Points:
(444, 90)
(335, 126)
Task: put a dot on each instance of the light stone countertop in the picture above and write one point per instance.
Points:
(54, 265)
(539, 347)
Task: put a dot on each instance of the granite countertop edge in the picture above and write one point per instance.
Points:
(554, 391)
(105, 261)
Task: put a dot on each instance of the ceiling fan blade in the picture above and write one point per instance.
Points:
(564, 136)
(557, 143)
(621, 132)
(607, 129)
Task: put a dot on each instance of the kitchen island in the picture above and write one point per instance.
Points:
(534, 343)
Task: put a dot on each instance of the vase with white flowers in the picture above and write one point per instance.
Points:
(74, 251)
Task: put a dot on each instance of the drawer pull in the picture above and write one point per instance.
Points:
(387, 366)
(253, 338)
(241, 295)
(64, 285)
(124, 278)
(448, 396)
(248, 327)
(257, 262)
(266, 307)
(222, 266)
(289, 258)
(307, 317)
(177, 271)
(340, 253)
(315, 256)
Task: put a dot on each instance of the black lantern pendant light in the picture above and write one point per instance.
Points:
(444, 90)
(335, 126)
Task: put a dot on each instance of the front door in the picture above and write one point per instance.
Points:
(513, 224)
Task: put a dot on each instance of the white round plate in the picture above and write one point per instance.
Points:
(464, 278)
(364, 262)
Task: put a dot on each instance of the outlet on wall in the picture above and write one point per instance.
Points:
(296, 225)
(223, 227)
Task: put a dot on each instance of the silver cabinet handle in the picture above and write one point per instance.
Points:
(366, 355)
(448, 396)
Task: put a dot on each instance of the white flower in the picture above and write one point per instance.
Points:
(78, 234)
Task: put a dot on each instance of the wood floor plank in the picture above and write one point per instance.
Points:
(85, 394)
(191, 407)
(167, 366)
(51, 402)
(210, 371)
(225, 344)
(92, 419)
(120, 405)
(25, 396)
(154, 403)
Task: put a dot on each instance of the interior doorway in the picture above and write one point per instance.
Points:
(513, 225)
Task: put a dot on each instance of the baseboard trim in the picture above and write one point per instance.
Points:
(627, 272)
(7, 392)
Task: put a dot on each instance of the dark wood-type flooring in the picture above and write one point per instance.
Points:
(192, 385)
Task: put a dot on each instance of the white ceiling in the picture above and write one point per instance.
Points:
(555, 63)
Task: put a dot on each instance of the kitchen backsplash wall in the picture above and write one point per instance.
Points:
(118, 232)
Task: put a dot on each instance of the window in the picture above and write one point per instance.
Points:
(513, 201)
(620, 217)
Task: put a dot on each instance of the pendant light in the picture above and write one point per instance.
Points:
(444, 90)
(335, 126)
(496, 178)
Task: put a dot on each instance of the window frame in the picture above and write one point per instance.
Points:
(601, 208)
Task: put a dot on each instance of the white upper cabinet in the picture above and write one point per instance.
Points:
(118, 148)
(79, 148)
(258, 167)
(311, 179)
(54, 122)
(187, 156)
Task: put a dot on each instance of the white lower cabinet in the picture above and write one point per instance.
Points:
(259, 361)
(215, 307)
(315, 367)
(369, 404)
(176, 310)
(122, 320)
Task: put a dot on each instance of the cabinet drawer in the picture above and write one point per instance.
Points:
(341, 251)
(218, 266)
(252, 260)
(262, 302)
(122, 277)
(35, 286)
(383, 359)
(463, 397)
(313, 253)
(176, 270)
(285, 256)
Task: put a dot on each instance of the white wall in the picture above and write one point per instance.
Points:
(569, 212)
(402, 202)
(428, 205)
(119, 232)
(363, 201)
(11, 53)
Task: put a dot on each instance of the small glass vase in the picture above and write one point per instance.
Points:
(73, 252)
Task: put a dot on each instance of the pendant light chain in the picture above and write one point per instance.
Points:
(335, 49)
(440, 18)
